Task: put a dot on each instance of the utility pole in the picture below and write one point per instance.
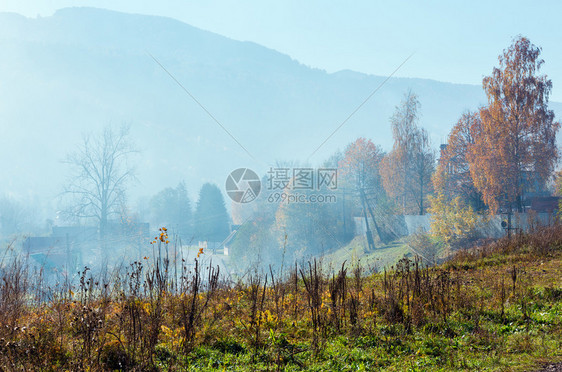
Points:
(343, 212)
(370, 240)
(507, 224)
(379, 232)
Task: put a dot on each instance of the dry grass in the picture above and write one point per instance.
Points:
(497, 306)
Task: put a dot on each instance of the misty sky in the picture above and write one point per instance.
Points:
(453, 41)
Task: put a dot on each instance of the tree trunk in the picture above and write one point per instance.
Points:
(103, 224)
(421, 195)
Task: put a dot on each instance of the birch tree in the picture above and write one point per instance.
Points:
(515, 151)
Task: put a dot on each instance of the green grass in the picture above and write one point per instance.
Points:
(496, 308)
(357, 252)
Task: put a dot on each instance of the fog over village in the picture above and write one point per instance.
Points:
(184, 193)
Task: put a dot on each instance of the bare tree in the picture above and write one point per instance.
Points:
(100, 172)
(16, 217)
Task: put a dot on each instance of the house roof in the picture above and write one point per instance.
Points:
(545, 204)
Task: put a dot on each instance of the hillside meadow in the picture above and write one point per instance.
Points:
(494, 307)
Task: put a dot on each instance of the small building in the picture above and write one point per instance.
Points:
(43, 245)
(545, 204)
(75, 233)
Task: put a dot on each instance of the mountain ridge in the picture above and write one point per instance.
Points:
(83, 68)
(70, 11)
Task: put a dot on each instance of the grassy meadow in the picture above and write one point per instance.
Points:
(494, 307)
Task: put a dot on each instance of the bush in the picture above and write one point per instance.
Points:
(453, 222)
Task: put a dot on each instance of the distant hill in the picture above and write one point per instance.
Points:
(84, 68)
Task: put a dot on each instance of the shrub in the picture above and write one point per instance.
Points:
(453, 222)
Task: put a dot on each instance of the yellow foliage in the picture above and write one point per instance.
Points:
(173, 338)
(163, 237)
(452, 221)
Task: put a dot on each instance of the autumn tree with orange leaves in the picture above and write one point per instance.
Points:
(361, 164)
(515, 150)
(360, 168)
(452, 177)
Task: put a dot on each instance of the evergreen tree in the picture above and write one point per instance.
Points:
(211, 218)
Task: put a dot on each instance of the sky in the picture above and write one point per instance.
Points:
(453, 41)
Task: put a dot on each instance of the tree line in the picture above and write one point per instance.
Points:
(494, 158)
(101, 170)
